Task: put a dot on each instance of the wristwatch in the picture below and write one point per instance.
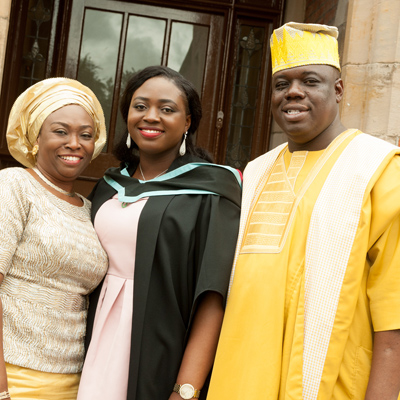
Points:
(186, 391)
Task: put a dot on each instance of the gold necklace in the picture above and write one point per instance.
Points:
(140, 167)
(125, 204)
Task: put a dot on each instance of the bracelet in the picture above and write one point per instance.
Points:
(4, 395)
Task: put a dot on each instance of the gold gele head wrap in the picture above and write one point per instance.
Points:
(34, 105)
(295, 44)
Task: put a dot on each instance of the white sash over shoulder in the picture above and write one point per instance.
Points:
(333, 227)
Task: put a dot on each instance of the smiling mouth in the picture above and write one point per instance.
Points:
(293, 112)
(151, 133)
(151, 130)
(295, 115)
(72, 159)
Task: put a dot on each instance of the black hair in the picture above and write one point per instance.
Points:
(190, 97)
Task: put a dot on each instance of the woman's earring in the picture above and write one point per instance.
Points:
(128, 141)
(182, 149)
(35, 150)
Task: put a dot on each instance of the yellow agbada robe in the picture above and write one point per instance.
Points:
(260, 354)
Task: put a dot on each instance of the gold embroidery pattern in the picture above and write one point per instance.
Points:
(270, 216)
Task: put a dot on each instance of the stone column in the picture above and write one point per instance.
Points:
(5, 7)
(371, 68)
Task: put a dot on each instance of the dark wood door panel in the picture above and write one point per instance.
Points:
(208, 28)
(266, 4)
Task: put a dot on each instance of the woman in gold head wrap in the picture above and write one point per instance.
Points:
(50, 257)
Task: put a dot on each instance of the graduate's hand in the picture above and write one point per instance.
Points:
(175, 396)
(202, 344)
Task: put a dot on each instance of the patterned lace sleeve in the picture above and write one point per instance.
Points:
(14, 210)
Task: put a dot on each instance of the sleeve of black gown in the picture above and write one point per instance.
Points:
(216, 235)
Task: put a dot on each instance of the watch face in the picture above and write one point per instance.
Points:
(186, 391)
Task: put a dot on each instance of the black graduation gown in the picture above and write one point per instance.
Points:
(185, 247)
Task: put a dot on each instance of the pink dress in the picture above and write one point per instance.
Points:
(106, 368)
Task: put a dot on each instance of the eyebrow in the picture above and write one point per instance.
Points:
(160, 100)
(303, 74)
(310, 73)
(67, 125)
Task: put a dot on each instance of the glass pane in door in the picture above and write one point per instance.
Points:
(99, 55)
(188, 51)
(246, 87)
(144, 44)
(144, 47)
(36, 43)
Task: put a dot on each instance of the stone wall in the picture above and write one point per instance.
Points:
(371, 68)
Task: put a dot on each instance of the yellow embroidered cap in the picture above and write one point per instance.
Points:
(34, 105)
(295, 44)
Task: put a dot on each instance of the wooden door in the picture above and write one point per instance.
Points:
(222, 46)
(109, 40)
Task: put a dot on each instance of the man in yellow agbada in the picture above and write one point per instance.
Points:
(314, 306)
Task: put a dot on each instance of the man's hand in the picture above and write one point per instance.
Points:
(384, 381)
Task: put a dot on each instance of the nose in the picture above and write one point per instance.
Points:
(151, 115)
(294, 90)
(73, 142)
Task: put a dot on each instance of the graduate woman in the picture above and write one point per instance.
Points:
(168, 219)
